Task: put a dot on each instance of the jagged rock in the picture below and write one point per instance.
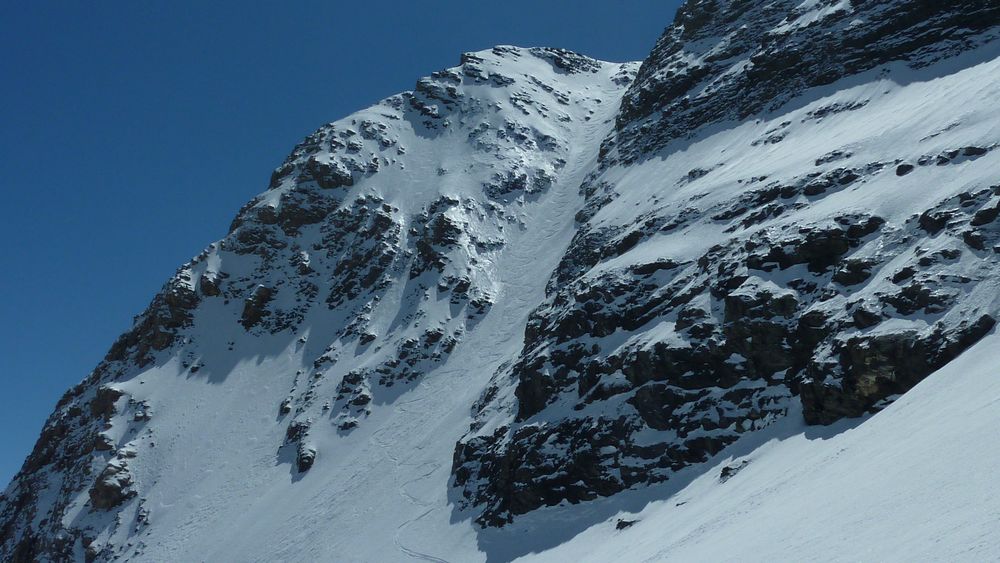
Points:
(103, 443)
(103, 403)
(296, 431)
(771, 58)
(327, 175)
(985, 216)
(623, 524)
(157, 328)
(729, 471)
(255, 307)
(209, 285)
(880, 366)
(112, 486)
(305, 456)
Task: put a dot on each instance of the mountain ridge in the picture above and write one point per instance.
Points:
(617, 304)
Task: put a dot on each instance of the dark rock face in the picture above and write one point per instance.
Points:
(718, 346)
(729, 471)
(103, 404)
(255, 307)
(730, 59)
(737, 340)
(157, 328)
(741, 345)
(878, 367)
(111, 487)
(567, 61)
(72, 438)
(623, 524)
(305, 456)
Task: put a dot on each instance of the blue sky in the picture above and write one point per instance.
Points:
(132, 132)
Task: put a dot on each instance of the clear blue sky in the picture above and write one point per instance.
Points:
(132, 132)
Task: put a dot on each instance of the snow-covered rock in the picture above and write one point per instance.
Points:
(734, 257)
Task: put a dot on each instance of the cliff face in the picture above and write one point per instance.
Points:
(728, 60)
(621, 269)
(795, 206)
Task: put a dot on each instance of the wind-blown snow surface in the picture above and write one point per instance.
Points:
(297, 391)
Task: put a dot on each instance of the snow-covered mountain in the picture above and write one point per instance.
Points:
(552, 307)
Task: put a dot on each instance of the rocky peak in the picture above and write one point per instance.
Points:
(728, 60)
(371, 256)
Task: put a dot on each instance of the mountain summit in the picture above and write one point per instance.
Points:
(548, 306)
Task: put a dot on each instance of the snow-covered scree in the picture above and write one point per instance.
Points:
(551, 307)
